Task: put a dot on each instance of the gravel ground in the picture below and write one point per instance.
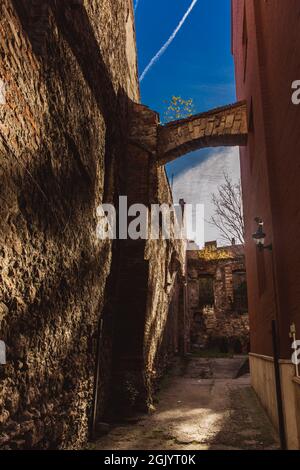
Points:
(201, 406)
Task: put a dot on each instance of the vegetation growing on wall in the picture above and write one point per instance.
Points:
(178, 108)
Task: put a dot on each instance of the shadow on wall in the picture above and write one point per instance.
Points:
(54, 292)
(63, 288)
(75, 28)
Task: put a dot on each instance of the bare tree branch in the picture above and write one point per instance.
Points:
(228, 216)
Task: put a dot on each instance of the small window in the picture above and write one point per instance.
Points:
(206, 291)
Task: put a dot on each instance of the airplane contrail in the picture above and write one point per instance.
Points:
(136, 5)
(169, 41)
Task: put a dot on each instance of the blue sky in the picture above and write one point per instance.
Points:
(199, 65)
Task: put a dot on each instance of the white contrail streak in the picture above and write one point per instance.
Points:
(136, 5)
(169, 41)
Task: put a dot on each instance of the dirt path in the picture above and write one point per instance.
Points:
(200, 406)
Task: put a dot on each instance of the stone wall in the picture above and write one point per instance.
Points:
(225, 126)
(150, 279)
(166, 316)
(89, 325)
(70, 73)
(218, 320)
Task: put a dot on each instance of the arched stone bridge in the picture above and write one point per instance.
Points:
(220, 127)
(226, 126)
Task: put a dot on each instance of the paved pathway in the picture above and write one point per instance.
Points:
(201, 405)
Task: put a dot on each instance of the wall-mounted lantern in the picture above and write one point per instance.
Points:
(259, 236)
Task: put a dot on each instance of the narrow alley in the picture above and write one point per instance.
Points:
(201, 406)
(149, 227)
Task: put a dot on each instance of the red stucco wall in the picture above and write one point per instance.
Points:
(266, 44)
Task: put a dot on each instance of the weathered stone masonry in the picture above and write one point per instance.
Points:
(225, 126)
(71, 80)
(150, 273)
(62, 139)
(217, 298)
(72, 135)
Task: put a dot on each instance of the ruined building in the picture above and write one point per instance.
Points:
(88, 324)
(217, 298)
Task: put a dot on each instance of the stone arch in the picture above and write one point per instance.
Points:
(225, 126)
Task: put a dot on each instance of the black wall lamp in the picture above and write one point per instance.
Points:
(259, 236)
